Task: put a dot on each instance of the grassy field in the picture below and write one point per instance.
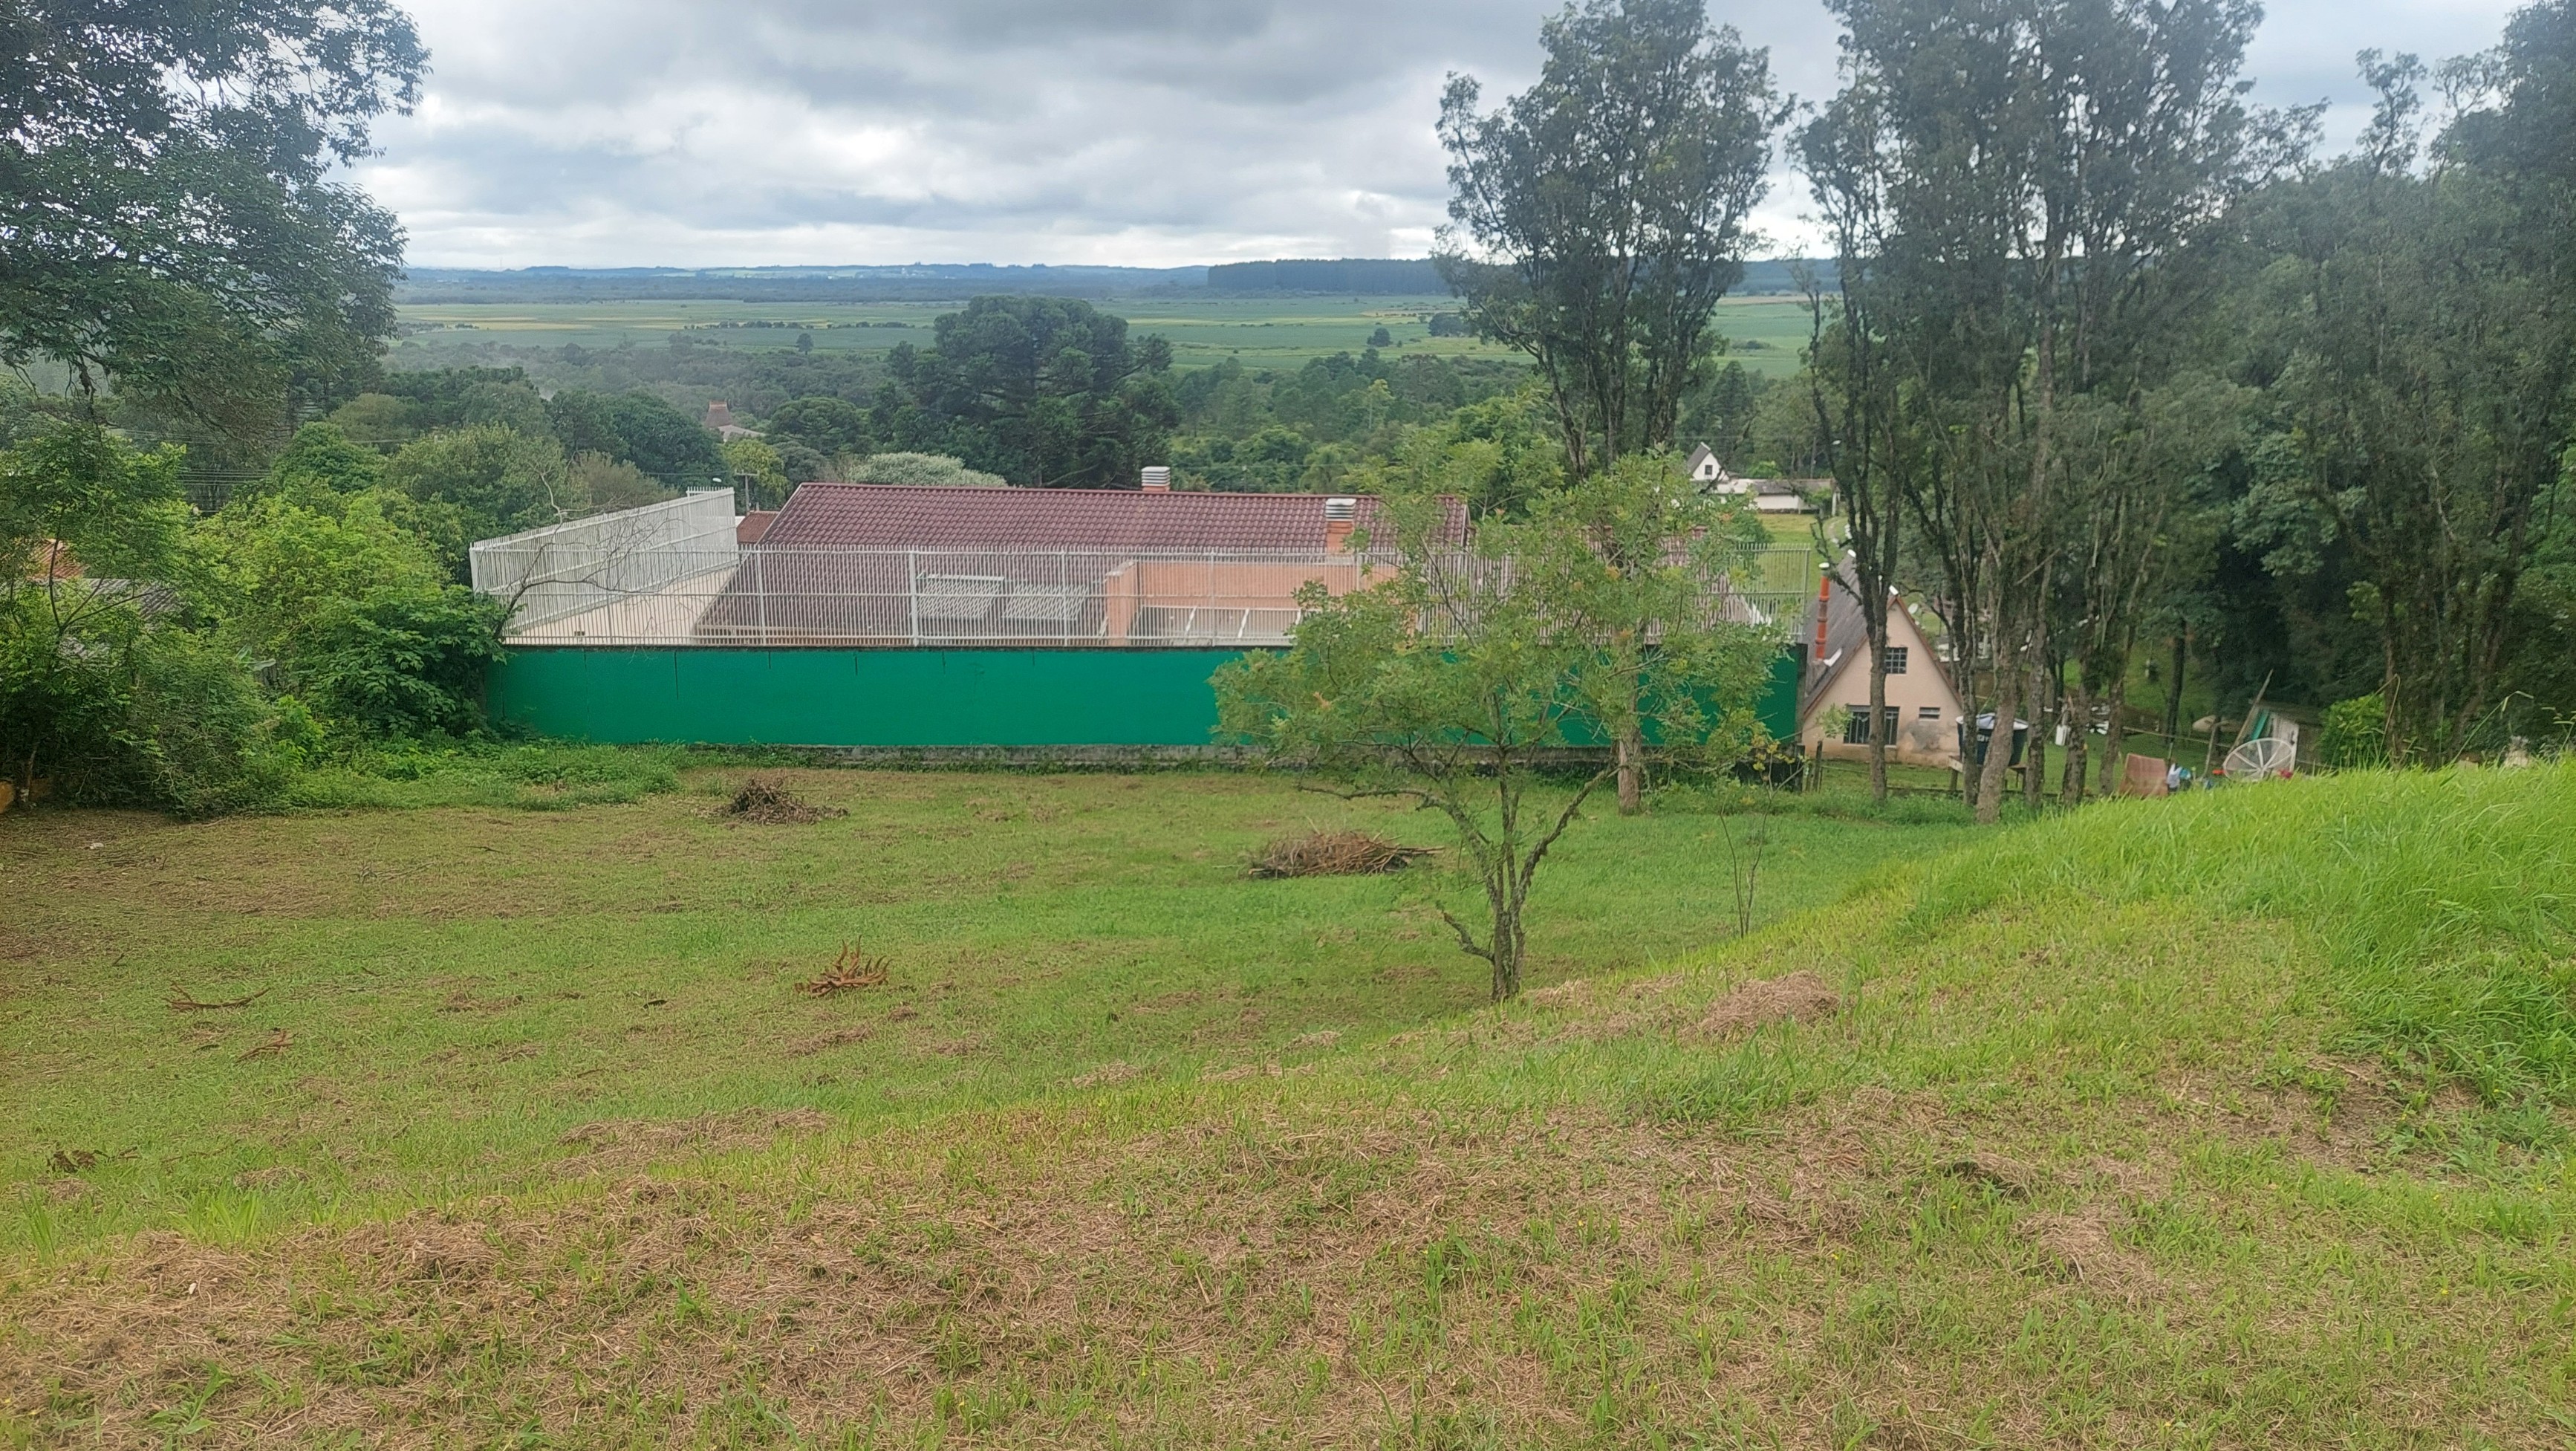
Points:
(1282, 332)
(2233, 1120)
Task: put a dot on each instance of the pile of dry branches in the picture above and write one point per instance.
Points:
(1334, 854)
(767, 801)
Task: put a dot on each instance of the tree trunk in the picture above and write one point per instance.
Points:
(1990, 779)
(2173, 690)
(1878, 731)
(1507, 953)
(1632, 752)
(2077, 711)
(2034, 762)
(2115, 733)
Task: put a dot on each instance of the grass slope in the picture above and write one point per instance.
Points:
(2116, 1140)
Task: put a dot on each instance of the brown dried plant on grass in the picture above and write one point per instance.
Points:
(1335, 854)
(766, 801)
(852, 970)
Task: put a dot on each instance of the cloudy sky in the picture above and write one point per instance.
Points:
(1135, 132)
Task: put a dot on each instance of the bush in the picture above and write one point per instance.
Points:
(2355, 733)
(207, 739)
(403, 662)
(129, 714)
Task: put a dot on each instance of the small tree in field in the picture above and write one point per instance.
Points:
(1463, 675)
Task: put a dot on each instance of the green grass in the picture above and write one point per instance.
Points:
(1280, 333)
(462, 988)
(2226, 1121)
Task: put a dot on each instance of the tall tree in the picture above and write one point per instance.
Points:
(166, 219)
(2426, 309)
(2049, 168)
(1040, 390)
(1607, 209)
(1854, 385)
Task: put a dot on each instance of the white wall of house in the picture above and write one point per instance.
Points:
(1927, 712)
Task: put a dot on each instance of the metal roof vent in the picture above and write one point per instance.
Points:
(1158, 478)
(1341, 511)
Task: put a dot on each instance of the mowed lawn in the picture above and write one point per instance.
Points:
(438, 998)
(2237, 1120)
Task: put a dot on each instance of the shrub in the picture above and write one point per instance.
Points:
(403, 662)
(2356, 733)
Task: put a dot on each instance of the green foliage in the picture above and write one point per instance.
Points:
(270, 566)
(402, 661)
(917, 468)
(409, 774)
(203, 738)
(1612, 241)
(640, 429)
(829, 426)
(1039, 390)
(1453, 678)
(2355, 733)
(758, 468)
(171, 221)
(496, 479)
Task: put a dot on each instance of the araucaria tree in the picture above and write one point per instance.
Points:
(1463, 673)
(1602, 213)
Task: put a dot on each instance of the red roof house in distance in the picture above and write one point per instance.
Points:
(885, 564)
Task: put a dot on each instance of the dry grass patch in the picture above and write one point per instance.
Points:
(1335, 854)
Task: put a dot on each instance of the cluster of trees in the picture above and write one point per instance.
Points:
(2104, 336)
(175, 254)
(1043, 391)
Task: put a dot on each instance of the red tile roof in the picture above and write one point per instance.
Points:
(896, 516)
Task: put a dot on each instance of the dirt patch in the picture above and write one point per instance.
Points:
(1335, 854)
(825, 1042)
(1801, 997)
(766, 801)
(2085, 1246)
(1106, 1074)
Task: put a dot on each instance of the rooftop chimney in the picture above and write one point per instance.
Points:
(1158, 479)
(1340, 514)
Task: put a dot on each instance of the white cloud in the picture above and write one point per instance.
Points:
(1145, 132)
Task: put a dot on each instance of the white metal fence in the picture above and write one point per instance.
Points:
(573, 570)
(664, 583)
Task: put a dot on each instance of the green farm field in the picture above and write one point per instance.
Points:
(1281, 332)
(2233, 1120)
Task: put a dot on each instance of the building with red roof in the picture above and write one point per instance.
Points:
(886, 564)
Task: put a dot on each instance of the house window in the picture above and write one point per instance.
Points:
(1896, 659)
(1857, 733)
(1929, 712)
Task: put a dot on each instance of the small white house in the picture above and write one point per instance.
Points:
(1921, 721)
(1769, 496)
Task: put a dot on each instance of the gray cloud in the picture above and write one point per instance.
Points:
(683, 132)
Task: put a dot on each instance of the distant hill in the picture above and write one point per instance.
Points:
(957, 281)
(1361, 276)
(918, 282)
(1357, 275)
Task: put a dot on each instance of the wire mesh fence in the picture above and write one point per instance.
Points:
(674, 580)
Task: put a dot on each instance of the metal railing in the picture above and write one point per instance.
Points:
(680, 591)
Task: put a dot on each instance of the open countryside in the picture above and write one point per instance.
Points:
(1280, 332)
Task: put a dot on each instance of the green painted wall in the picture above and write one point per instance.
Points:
(921, 698)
